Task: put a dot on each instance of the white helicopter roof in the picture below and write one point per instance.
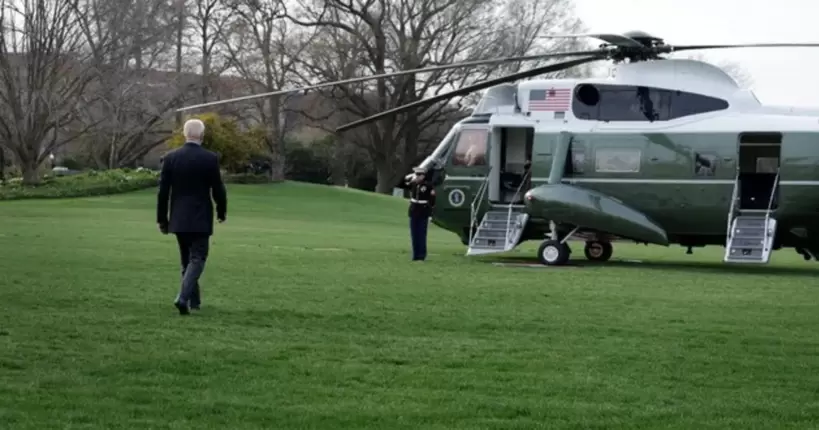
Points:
(679, 74)
(744, 109)
(673, 74)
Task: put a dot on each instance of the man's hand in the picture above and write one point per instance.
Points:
(163, 228)
(221, 219)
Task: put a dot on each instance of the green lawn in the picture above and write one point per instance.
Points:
(313, 317)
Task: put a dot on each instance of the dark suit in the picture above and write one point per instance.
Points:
(190, 176)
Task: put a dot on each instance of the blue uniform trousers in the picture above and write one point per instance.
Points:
(418, 233)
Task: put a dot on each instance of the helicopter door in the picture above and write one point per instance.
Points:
(469, 162)
(515, 151)
(758, 166)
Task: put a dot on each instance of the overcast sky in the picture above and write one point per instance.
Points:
(781, 76)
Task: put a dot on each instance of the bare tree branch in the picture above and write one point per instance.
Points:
(45, 67)
(263, 48)
(366, 37)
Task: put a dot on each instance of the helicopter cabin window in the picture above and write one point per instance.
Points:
(575, 163)
(767, 165)
(578, 161)
(705, 164)
(685, 104)
(617, 160)
(471, 148)
(638, 103)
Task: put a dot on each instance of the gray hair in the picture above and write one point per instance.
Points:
(194, 130)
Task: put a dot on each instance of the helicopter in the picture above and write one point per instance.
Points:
(663, 151)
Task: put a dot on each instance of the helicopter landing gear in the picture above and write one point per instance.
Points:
(806, 254)
(554, 251)
(598, 250)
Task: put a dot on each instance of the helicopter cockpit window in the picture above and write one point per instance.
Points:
(471, 148)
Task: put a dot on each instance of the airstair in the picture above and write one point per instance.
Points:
(751, 233)
(501, 226)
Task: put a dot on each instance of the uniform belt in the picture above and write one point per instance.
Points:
(423, 202)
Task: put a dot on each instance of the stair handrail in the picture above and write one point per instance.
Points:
(473, 210)
(770, 201)
(514, 199)
(732, 210)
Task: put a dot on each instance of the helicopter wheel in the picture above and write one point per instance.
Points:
(553, 253)
(598, 251)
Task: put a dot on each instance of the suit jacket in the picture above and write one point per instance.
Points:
(190, 176)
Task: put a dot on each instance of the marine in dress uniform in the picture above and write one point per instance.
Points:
(422, 204)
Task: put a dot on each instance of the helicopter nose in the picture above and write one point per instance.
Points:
(528, 200)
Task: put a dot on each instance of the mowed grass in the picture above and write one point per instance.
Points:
(314, 317)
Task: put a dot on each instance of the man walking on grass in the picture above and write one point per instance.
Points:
(190, 176)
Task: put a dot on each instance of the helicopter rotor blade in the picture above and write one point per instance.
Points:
(402, 72)
(744, 45)
(471, 88)
(614, 39)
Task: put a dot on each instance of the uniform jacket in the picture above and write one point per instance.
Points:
(422, 198)
(190, 176)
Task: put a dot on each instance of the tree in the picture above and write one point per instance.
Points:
(223, 137)
(263, 49)
(210, 20)
(369, 37)
(44, 71)
(128, 106)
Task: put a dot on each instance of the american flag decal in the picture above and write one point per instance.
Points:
(555, 99)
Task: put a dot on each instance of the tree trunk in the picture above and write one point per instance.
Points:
(2, 166)
(31, 174)
(113, 159)
(338, 164)
(277, 168)
(180, 34)
(275, 136)
(385, 179)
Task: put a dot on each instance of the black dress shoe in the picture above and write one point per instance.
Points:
(183, 308)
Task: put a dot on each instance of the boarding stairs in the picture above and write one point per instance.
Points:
(501, 226)
(751, 233)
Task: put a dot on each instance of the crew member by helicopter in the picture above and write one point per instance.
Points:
(422, 203)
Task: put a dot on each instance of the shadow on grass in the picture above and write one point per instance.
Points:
(811, 268)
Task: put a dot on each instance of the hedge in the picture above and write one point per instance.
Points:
(82, 184)
(245, 178)
(99, 183)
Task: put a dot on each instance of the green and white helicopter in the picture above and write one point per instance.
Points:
(664, 151)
